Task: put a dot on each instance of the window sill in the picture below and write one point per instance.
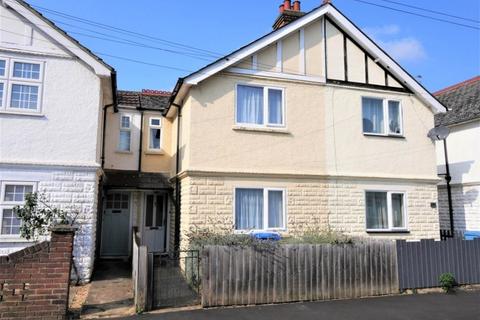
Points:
(155, 152)
(261, 129)
(19, 113)
(123, 152)
(388, 231)
(395, 136)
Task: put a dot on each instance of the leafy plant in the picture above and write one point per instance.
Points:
(37, 216)
(447, 282)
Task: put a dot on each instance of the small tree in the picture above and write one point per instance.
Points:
(38, 217)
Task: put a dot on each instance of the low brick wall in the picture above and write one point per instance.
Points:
(34, 282)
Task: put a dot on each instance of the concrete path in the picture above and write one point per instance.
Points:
(462, 305)
(110, 293)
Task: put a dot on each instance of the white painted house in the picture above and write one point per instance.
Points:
(463, 149)
(52, 95)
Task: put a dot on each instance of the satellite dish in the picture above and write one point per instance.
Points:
(438, 133)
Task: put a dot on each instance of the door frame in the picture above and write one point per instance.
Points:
(167, 222)
(130, 225)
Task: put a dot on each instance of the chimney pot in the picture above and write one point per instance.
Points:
(281, 8)
(296, 5)
(287, 5)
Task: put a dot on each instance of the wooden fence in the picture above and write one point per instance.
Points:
(140, 274)
(287, 273)
(421, 263)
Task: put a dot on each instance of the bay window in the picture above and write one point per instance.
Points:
(259, 209)
(260, 106)
(385, 211)
(382, 117)
(20, 85)
(12, 194)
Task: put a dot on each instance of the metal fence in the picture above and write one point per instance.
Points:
(175, 279)
(287, 273)
(421, 263)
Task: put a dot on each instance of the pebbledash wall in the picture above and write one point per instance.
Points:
(207, 202)
(69, 188)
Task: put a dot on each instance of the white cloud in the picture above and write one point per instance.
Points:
(404, 49)
(401, 48)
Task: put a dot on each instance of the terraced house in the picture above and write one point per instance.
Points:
(311, 126)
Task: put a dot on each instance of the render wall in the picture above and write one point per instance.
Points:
(67, 188)
(312, 204)
(466, 207)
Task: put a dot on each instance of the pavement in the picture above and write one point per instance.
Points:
(435, 306)
(110, 294)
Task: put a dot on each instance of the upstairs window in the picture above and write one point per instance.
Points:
(260, 106)
(20, 85)
(382, 117)
(13, 194)
(125, 133)
(155, 133)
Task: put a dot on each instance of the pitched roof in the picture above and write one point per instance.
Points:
(145, 99)
(462, 100)
(53, 31)
(326, 9)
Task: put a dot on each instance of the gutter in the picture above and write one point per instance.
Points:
(171, 102)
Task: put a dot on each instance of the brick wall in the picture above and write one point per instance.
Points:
(34, 281)
(340, 205)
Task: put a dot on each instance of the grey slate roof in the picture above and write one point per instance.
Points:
(147, 99)
(462, 100)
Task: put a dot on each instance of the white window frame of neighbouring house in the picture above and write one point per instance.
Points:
(264, 224)
(383, 127)
(9, 204)
(152, 127)
(124, 131)
(29, 81)
(248, 120)
(388, 225)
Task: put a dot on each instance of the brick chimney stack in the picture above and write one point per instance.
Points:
(288, 13)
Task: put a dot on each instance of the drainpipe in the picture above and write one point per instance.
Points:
(177, 181)
(140, 149)
(448, 178)
(115, 109)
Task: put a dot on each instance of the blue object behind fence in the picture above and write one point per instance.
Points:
(470, 235)
(267, 236)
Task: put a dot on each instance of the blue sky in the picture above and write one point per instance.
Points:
(442, 54)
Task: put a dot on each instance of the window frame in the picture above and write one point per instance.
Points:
(265, 209)
(9, 80)
(386, 117)
(11, 204)
(129, 130)
(389, 211)
(151, 126)
(266, 123)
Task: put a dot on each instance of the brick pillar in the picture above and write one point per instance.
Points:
(34, 282)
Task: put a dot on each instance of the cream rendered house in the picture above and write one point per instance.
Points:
(311, 126)
(52, 95)
(138, 163)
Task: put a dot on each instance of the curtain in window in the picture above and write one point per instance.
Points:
(124, 144)
(248, 209)
(394, 117)
(372, 115)
(397, 210)
(377, 214)
(249, 105)
(275, 112)
(275, 209)
(154, 138)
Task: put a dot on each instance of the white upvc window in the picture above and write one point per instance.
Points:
(259, 209)
(385, 210)
(12, 194)
(20, 85)
(382, 117)
(259, 106)
(125, 133)
(155, 134)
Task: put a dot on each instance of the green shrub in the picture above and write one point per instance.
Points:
(447, 282)
(319, 236)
